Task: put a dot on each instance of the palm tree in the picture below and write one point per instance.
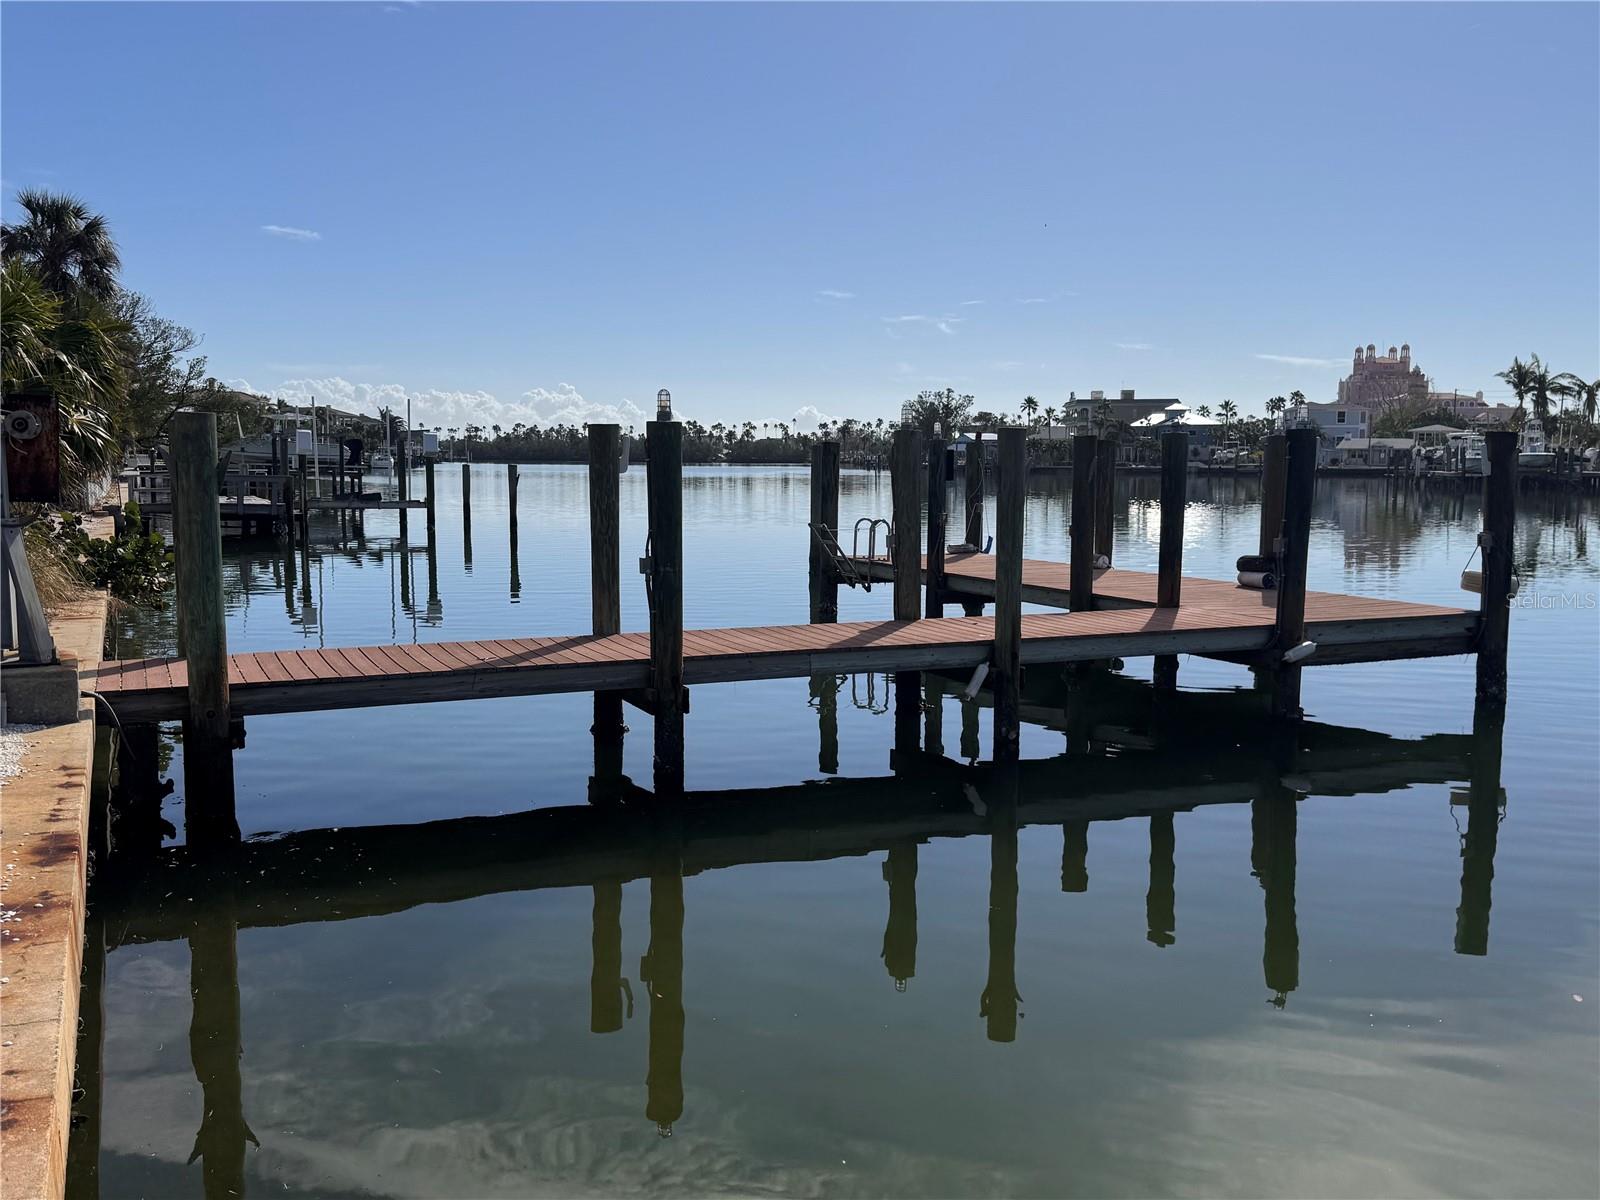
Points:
(1205, 411)
(1030, 406)
(1227, 410)
(1275, 407)
(68, 248)
(1519, 377)
(1050, 415)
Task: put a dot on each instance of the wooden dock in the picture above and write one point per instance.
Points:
(1216, 619)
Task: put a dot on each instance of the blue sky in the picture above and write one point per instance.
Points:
(516, 210)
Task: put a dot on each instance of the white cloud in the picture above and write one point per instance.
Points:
(1035, 299)
(807, 417)
(1133, 346)
(970, 303)
(942, 324)
(562, 405)
(1297, 360)
(835, 294)
(291, 233)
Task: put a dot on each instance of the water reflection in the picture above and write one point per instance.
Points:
(206, 894)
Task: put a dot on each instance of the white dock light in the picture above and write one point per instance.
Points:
(663, 405)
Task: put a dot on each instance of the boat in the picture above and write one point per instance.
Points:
(1465, 450)
(381, 462)
(1533, 455)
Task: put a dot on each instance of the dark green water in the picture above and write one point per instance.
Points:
(1165, 957)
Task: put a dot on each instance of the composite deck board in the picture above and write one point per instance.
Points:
(1215, 618)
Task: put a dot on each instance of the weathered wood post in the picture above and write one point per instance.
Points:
(1274, 464)
(824, 580)
(664, 460)
(936, 528)
(905, 467)
(1300, 481)
(605, 948)
(427, 492)
(197, 538)
(289, 510)
(466, 489)
(1085, 453)
(402, 478)
(1499, 530)
(1105, 491)
(1169, 554)
(511, 491)
(605, 554)
(972, 487)
(1011, 491)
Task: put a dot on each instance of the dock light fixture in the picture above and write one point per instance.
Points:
(663, 405)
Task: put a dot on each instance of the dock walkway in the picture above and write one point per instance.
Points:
(1217, 619)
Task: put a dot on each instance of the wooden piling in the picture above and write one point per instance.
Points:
(905, 467)
(1300, 479)
(197, 539)
(511, 491)
(1011, 491)
(824, 580)
(1085, 453)
(972, 487)
(289, 509)
(1274, 462)
(1105, 491)
(605, 552)
(1498, 553)
(1169, 554)
(466, 490)
(427, 494)
(664, 459)
(936, 528)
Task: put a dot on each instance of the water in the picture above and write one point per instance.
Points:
(1217, 990)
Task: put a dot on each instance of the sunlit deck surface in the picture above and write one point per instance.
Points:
(1215, 619)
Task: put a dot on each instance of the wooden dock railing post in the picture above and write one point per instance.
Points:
(664, 459)
(1300, 481)
(197, 538)
(1105, 491)
(1011, 491)
(936, 528)
(1499, 530)
(605, 554)
(824, 580)
(1274, 460)
(1085, 454)
(1169, 554)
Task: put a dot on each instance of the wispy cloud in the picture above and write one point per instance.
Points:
(1035, 299)
(835, 294)
(1133, 345)
(942, 324)
(292, 233)
(1298, 360)
(560, 405)
(970, 303)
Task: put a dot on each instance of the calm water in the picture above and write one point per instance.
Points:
(1128, 971)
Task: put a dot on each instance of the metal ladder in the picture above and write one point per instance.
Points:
(844, 564)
